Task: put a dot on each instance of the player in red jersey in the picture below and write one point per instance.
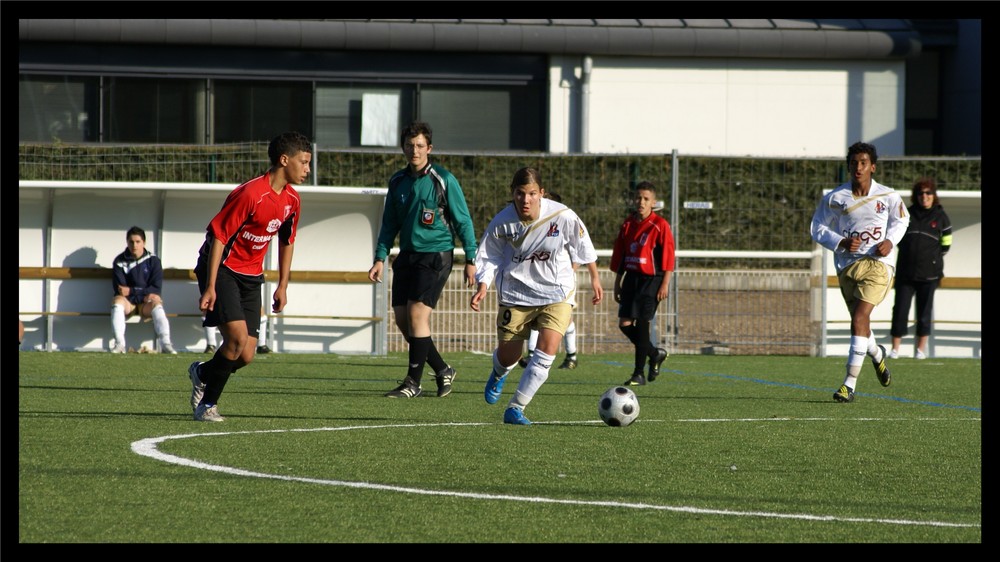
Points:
(643, 261)
(230, 266)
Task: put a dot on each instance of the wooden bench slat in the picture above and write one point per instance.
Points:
(191, 315)
(65, 273)
(188, 274)
(946, 283)
(106, 313)
(318, 317)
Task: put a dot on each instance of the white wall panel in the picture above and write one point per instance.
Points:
(733, 107)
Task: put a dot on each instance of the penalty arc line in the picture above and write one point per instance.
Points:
(149, 448)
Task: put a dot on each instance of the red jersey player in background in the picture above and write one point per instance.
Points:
(643, 262)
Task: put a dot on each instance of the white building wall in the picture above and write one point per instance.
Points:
(731, 107)
(564, 85)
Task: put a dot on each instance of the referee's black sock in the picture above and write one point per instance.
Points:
(434, 358)
(418, 357)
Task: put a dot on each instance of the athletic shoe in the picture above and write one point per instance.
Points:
(523, 362)
(655, 362)
(407, 389)
(845, 394)
(263, 349)
(208, 414)
(169, 349)
(443, 380)
(494, 387)
(881, 370)
(894, 354)
(197, 387)
(637, 379)
(515, 416)
(117, 349)
(209, 348)
(919, 355)
(569, 362)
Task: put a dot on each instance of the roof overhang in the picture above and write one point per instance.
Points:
(739, 38)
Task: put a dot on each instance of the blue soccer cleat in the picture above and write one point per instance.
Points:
(494, 387)
(515, 416)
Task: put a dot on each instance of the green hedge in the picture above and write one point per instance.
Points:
(762, 204)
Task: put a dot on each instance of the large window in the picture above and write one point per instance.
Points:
(341, 115)
(353, 115)
(923, 86)
(153, 110)
(207, 95)
(493, 117)
(484, 118)
(258, 110)
(58, 108)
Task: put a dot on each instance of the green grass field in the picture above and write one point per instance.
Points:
(726, 450)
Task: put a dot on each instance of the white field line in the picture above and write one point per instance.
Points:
(149, 448)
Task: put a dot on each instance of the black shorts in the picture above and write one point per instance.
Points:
(237, 297)
(639, 296)
(419, 276)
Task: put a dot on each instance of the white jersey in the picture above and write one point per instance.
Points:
(880, 215)
(532, 262)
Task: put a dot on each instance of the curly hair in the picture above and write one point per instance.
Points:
(290, 143)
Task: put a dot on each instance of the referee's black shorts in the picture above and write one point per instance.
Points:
(420, 276)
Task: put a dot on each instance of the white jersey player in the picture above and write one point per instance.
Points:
(528, 251)
(880, 215)
(862, 221)
(532, 262)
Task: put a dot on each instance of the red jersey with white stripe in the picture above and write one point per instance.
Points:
(644, 246)
(251, 216)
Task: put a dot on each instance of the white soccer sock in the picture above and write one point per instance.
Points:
(873, 349)
(118, 323)
(532, 341)
(262, 335)
(855, 360)
(532, 379)
(211, 334)
(160, 324)
(569, 338)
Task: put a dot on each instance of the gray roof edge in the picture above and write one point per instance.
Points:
(482, 38)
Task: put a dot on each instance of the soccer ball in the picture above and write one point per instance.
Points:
(618, 407)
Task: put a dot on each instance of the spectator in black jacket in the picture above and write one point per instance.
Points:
(136, 282)
(920, 266)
